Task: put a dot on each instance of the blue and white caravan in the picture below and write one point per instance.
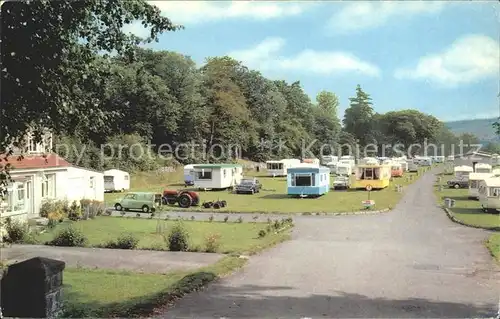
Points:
(308, 181)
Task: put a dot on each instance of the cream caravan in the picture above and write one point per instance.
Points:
(489, 194)
(474, 181)
(279, 168)
(482, 168)
(462, 172)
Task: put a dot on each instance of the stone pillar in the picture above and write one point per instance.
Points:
(33, 289)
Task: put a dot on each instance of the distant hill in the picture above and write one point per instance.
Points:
(482, 128)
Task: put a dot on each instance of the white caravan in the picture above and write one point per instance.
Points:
(474, 181)
(482, 168)
(279, 168)
(217, 176)
(439, 159)
(344, 169)
(328, 159)
(116, 180)
(412, 167)
(489, 194)
(462, 172)
(367, 160)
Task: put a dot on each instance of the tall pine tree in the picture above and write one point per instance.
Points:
(358, 117)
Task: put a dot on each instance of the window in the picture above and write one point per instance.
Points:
(45, 188)
(126, 177)
(367, 173)
(131, 196)
(473, 184)
(303, 180)
(204, 175)
(274, 165)
(495, 191)
(92, 182)
(225, 172)
(20, 192)
(49, 186)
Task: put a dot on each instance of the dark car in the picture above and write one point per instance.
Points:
(458, 183)
(248, 185)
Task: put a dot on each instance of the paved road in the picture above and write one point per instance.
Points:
(134, 260)
(412, 262)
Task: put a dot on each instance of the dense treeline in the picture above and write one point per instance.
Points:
(103, 108)
(228, 110)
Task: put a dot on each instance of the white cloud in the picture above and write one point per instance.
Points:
(359, 15)
(195, 12)
(266, 56)
(468, 60)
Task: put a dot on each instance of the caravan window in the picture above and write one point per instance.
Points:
(274, 165)
(225, 173)
(303, 180)
(204, 175)
(473, 184)
(109, 179)
(495, 191)
(125, 177)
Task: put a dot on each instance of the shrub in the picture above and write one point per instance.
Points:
(75, 212)
(92, 208)
(192, 218)
(212, 243)
(69, 237)
(269, 228)
(138, 215)
(240, 219)
(211, 218)
(125, 241)
(226, 219)
(262, 233)
(16, 231)
(277, 224)
(178, 238)
(55, 216)
(59, 207)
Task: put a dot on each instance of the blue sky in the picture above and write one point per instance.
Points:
(441, 58)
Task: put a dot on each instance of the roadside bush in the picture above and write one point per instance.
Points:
(59, 207)
(277, 224)
(262, 233)
(125, 241)
(211, 218)
(240, 219)
(91, 208)
(16, 231)
(226, 219)
(212, 243)
(177, 239)
(69, 237)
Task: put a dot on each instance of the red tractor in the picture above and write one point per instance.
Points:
(184, 198)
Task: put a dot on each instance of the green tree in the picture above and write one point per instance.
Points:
(326, 123)
(358, 117)
(49, 61)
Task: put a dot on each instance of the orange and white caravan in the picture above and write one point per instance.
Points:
(396, 169)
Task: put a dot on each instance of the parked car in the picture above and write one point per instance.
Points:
(342, 182)
(458, 183)
(145, 201)
(248, 185)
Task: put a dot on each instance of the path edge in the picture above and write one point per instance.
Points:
(452, 217)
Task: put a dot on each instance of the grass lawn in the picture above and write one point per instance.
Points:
(234, 237)
(493, 245)
(101, 293)
(466, 210)
(273, 197)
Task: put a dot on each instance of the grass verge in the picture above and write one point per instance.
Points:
(273, 198)
(466, 211)
(103, 293)
(493, 245)
(236, 238)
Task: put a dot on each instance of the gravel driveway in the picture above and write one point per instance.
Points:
(411, 262)
(134, 260)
